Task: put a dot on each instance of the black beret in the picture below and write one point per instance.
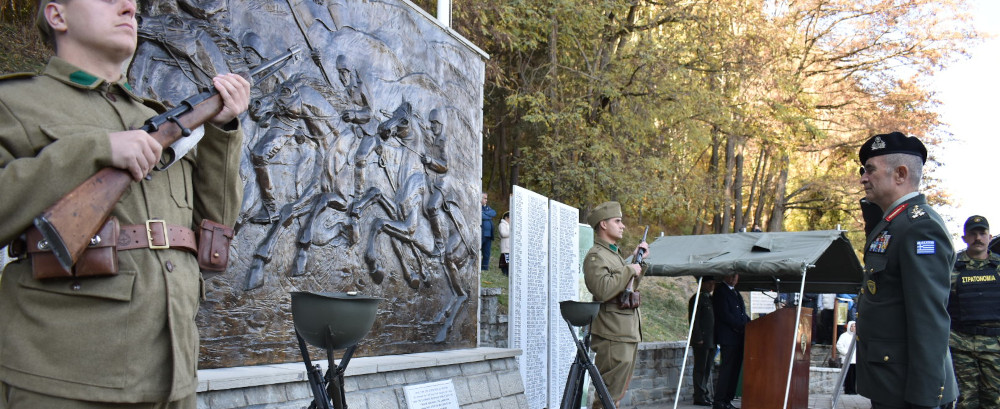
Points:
(895, 142)
(976, 221)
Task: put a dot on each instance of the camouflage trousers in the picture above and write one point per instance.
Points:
(977, 369)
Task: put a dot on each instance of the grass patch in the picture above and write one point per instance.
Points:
(493, 278)
(664, 308)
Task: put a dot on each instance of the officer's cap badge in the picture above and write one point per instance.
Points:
(878, 143)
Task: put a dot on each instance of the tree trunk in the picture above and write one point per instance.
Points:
(713, 181)
(738, 224)
(727, 185)
(778, 209)
(758, 177)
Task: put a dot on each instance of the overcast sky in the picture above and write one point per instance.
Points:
(969, 91)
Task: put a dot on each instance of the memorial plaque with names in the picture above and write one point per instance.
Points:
(431, 395)
(529, 263)
(564, 273)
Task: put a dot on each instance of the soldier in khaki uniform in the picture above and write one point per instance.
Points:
(615, 332)
(130, 338)
(974, 306)
(903, 358)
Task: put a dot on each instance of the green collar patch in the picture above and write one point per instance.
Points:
(127, 86)
(613, 247)
(82, 78)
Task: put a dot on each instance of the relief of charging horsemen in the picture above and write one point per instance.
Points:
(360, 166)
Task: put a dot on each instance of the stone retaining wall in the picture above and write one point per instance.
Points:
(492, 323)
(654, 381)
(483, 378)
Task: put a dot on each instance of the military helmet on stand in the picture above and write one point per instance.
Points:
(333, 320)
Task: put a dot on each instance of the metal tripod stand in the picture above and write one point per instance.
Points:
(330, 321)
(328, 387)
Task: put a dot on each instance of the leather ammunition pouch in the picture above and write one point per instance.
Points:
(213, 245)
(630, 298)
(100, 258)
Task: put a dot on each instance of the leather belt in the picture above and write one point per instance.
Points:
(157, 235)
(154, 235)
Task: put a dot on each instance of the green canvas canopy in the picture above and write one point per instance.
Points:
(765, 261)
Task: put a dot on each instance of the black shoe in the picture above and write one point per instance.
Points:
(703, 403)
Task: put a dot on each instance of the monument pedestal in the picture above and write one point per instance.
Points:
(768, 345)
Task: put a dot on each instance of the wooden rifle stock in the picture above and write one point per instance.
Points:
(70, 223)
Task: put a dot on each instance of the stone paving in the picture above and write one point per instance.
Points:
(815, 402)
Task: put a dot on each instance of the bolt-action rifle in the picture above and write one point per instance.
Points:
(641, 252)
(69, 224)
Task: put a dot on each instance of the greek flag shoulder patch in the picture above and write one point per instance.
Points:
(925, 247)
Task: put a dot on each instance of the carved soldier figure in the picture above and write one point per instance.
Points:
(436, 162)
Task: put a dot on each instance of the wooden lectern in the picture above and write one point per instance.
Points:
(768, 347)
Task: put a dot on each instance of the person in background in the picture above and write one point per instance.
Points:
(504, 231)
(824, 319)
(730, 326)
(843, 343)
(975, 318)
(487, 243)
(126, 339)
(615, 331)
(903, 323)
(703, 341)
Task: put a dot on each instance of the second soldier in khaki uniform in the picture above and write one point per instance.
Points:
(616, 332)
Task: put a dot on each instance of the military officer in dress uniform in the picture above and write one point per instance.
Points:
(615, 331)
(975, 318)
(903, 324)
(127, 340)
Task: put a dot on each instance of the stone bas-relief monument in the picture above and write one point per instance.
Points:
(360, 168)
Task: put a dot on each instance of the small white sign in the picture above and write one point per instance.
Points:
(431, 395)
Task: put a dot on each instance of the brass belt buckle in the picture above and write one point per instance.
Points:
(149, 235)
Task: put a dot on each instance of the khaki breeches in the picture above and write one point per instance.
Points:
(615, 361)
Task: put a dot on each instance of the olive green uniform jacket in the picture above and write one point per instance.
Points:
(903, 322)
(606, 275)
(127, 338)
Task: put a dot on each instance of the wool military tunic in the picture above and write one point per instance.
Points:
(127, 338)
(903, 323)
(606, 274)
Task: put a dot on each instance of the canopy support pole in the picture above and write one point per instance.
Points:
(798, 318)
(843, 371)
(687, 343)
